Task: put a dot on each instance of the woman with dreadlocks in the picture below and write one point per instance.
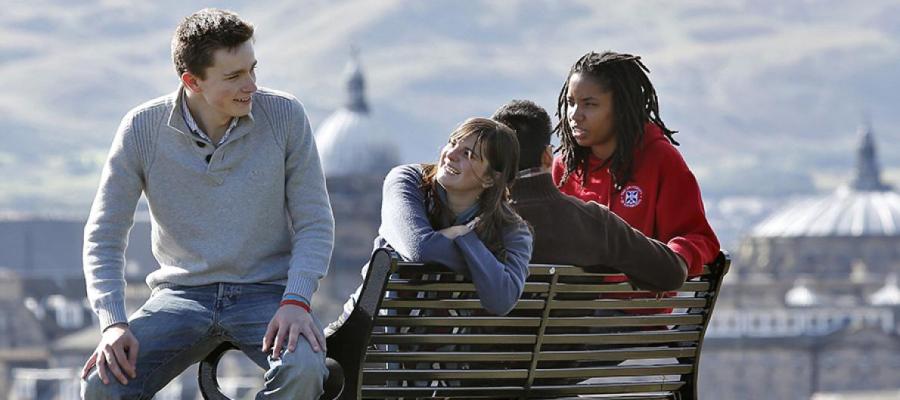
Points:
(616, 150)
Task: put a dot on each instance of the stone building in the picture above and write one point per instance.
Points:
(356, 153)
(23, 343)
(42, 296)
(812, 306)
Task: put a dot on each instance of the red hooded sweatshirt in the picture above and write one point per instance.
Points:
(662, 198)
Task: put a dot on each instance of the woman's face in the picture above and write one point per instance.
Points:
(590, 115)
(461, 168)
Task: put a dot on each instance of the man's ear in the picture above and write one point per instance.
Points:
(547, 157)
(190, 81)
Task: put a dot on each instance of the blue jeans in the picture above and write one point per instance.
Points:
(178, 326)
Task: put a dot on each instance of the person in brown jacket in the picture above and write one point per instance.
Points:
(570, 231)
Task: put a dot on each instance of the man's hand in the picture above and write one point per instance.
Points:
(118, 351)
(289, 323)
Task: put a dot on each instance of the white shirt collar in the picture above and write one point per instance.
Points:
(192, 124)
(527, 173)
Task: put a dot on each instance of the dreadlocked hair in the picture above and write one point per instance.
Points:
(635, 104)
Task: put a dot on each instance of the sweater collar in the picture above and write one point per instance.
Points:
(176, 119)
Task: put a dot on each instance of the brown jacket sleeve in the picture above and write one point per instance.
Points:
(647, 262)
(570, 231)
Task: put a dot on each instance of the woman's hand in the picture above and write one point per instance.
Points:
(458, 230)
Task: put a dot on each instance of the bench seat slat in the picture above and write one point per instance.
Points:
(458, 321)
(468, 304)
(425, 286)
(370, 391)
(444, 356)
(618, 355)
(638, 389)
(600, 304)
(598, 372)
(534, 270)
(637, 320)
(622, 338)
(488, 392)
(571, 270)
(374, 376)
(621, 287)
(531, 322)
(534, 287)
(405, 338)
(585, 356)
(499, 340)
(615, 304)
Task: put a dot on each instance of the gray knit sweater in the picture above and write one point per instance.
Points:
(254, 210)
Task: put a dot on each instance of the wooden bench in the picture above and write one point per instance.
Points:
(418, 332)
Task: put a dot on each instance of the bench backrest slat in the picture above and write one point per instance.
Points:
(533, 287)
(507, 392)
(377, 356)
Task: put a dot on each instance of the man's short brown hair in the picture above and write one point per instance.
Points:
(200, 34)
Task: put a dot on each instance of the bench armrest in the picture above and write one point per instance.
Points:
(348, 344)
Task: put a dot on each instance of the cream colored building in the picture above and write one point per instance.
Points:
(812, 308)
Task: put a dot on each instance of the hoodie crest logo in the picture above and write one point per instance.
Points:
(631, 196)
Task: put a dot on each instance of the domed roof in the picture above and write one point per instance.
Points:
(800, 296)
(865, 207)
(350, 142)
(888, 295)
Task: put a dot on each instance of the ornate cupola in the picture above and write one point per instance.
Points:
(868, 173)
(355, 85)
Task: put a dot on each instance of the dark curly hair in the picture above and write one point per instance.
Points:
(533, 129)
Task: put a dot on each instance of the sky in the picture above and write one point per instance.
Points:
(767, 95)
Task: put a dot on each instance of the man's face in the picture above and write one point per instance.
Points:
(230, 82)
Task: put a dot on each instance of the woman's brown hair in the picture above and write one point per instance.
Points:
(500, 148)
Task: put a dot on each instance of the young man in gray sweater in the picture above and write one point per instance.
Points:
(242, 226)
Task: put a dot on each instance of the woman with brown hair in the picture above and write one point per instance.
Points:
(456, 212)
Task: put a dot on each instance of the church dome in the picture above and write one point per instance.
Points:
(865, 207)
(888, 295)
(800, 295)
(350, 141)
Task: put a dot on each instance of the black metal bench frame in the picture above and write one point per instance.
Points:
(380, 350)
